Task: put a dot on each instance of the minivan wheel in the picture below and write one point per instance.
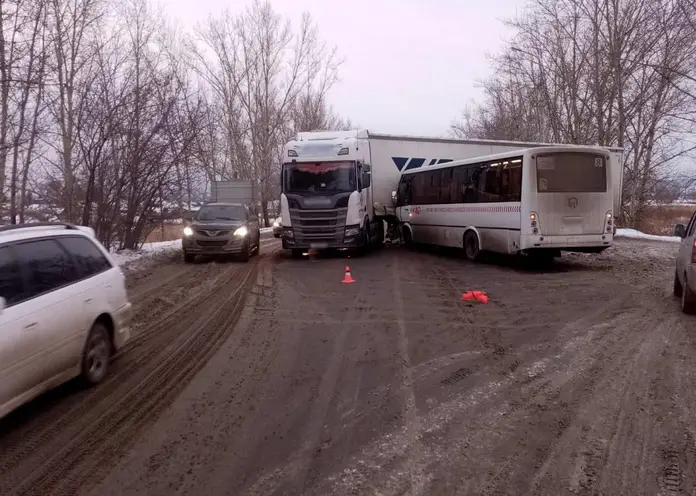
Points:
(688, 301)
(95, 358)
(677, 285)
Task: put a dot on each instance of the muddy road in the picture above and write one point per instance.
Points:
(571, 380)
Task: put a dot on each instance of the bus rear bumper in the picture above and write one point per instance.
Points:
(587, 243)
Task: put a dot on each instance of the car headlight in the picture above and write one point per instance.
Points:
(188, 231)
(241, 232)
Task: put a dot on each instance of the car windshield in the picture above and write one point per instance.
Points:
(319, 177)
(221, 212)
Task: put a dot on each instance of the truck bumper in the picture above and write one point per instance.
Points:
(340, 242)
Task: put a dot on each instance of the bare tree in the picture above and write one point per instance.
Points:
(607, 72)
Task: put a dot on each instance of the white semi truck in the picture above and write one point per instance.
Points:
(337, 185)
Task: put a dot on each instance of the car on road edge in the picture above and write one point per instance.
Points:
(64, 309)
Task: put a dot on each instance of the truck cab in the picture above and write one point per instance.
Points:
(326, 192)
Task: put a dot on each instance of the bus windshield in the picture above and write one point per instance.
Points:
(319, 177)
(571, 172)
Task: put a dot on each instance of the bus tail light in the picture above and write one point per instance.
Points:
(609, 222)
(534, 222)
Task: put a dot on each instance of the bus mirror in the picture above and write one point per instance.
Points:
(394, 198)
(680, 230)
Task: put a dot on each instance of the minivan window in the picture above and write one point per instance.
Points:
(88, 258)
(11, 283)
(48, 266)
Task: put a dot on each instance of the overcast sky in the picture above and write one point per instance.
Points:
(410, 65)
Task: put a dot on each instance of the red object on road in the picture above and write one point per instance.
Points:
(479, 296)
(347, 278)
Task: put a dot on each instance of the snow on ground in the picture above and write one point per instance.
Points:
(148, 250)
(632, 233)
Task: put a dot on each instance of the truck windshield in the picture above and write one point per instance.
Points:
(319, 177)
(221, 212)
(571, 172)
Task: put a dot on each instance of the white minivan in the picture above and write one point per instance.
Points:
(63, 309)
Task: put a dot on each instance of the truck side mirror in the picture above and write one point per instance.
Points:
(366, 179)
(394, 197)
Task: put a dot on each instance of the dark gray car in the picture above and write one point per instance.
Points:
(220, 229)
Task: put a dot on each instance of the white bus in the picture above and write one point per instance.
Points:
(536, 201)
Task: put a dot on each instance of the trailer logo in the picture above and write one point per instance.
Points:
(408, 163)
(572, 202)
(416, 210)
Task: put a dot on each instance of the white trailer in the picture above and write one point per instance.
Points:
(337, 185)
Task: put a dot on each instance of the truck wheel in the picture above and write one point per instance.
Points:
(471, 245)
(189, 258)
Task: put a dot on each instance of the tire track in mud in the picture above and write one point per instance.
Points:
(22, 442)
(498, 391)
(297, 469)
(71, 448)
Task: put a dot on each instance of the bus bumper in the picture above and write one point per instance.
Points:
(590, 243)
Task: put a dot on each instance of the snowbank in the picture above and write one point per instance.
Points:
(149, 249)
(632, 233)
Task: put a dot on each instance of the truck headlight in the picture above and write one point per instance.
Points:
(241, 232)
(188, 231)
(352, 231)
(275, 223)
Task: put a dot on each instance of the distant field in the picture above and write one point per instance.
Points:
(170, 232)
(660, 219)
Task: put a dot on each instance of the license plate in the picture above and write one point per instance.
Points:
(318, 246)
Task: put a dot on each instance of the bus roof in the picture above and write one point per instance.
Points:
(511, 154)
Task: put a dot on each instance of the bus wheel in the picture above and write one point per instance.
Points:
(471, 245)
(406, 234)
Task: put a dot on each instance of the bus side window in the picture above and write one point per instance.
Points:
(418, 189)
(405, 191)
(511, 186)
(446, 185)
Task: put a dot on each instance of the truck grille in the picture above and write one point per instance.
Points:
(318, 226)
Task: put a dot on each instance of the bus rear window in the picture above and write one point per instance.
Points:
(571, 173)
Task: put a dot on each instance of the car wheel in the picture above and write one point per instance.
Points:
(677, 285)
(96, 356)
(189, 258)
(471, 245)
(688, 300)
(257, 250)
(246, 252)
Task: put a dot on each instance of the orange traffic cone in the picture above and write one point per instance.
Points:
(348, 279)
(479, 296)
